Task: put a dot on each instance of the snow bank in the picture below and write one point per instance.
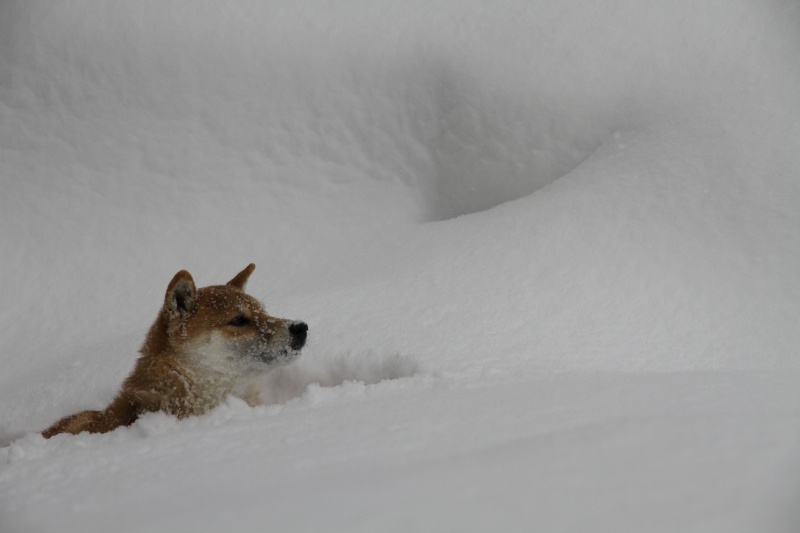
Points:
(617, 452)
(457, 197)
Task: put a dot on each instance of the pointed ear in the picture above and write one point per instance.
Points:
(181, 296)
(241, 278)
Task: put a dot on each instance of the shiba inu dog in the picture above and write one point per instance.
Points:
(205, 344)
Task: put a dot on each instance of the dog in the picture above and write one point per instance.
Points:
(204, 345)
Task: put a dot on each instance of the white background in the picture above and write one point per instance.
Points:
(549, 253)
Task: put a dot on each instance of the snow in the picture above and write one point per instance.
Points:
(548, 253)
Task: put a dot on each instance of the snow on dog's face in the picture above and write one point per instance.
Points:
(220, 327)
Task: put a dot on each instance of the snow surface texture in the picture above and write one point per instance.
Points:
(549, 254)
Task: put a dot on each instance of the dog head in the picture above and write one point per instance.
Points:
(220, 327)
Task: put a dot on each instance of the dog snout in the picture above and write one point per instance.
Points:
(299, 331)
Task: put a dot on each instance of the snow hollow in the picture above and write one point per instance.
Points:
(549, 254)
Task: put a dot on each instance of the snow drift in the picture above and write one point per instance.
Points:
(465, 201)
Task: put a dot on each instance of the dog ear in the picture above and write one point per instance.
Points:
(181, 296)
(241, 278)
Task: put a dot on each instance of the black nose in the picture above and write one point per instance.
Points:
(299, 330)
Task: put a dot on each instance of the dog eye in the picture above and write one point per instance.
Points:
(239, 321)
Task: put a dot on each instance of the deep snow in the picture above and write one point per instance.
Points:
(548, 252)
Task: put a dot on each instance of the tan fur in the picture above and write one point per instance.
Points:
(204, 345)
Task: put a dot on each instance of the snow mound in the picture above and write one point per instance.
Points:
(579, 218)
(368, 368)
